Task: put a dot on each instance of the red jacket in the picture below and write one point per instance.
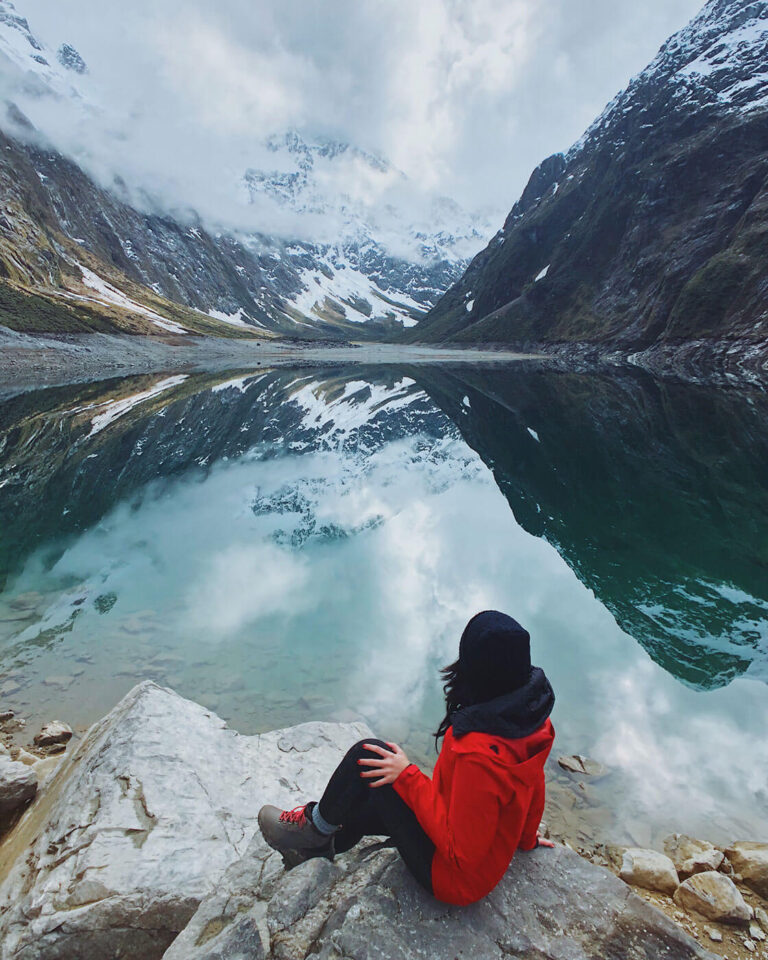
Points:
(484, 802)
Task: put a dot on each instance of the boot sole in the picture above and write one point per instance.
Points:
(293, 857)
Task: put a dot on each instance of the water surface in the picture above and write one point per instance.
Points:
(302, 544)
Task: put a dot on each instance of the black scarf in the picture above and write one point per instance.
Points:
(512, 715)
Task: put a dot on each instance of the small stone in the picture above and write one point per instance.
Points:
(756, 932)
(582, 766)
(648, 869)
(692, 856)
(751, 861)
(714, 896)
(749, 945)
(6, 715)
(715, 936)
(53, 733)
(761, 916)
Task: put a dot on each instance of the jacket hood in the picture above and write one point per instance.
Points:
(512, 715)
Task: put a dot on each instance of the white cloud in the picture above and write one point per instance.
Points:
(465, 96)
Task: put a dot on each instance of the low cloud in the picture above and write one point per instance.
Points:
(463, 96)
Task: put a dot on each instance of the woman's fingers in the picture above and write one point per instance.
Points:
(385, 767)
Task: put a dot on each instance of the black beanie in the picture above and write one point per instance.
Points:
(494, 654)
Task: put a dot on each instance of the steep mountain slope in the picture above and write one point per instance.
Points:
(652, 231)
(352, 286)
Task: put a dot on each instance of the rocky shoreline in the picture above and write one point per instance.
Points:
(140, 839)
(28, 361)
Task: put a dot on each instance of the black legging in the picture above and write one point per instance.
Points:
(363, 810)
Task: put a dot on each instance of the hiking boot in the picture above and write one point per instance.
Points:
(292, 833)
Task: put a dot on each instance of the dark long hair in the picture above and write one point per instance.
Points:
(458, 694)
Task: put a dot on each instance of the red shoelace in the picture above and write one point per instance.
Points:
(293, 816)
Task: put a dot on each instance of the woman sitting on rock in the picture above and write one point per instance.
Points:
(457, 832)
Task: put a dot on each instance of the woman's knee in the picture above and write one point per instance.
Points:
(360, 748)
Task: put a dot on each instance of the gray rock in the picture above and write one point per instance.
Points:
(551, 903)
(139, 825)
(692, 856)
(217, 923)
(53, 733)
(648, 869)
(582, 766)
(714, 896)
(18, 785)
(751, 861)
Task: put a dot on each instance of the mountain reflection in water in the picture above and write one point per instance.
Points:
(303, 544)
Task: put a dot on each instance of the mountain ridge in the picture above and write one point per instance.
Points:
(649, 233)
(348, 285)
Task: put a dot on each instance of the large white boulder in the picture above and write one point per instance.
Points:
(140, 823)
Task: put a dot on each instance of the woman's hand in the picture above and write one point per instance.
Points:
(542, 841)
(387, 767)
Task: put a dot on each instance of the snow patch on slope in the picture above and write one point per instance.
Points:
(353, 294)
(111, 295)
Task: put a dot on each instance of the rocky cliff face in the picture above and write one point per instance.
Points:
(650, 232)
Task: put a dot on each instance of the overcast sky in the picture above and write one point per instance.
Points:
(465, 96)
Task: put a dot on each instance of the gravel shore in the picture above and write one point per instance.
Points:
(40, 360)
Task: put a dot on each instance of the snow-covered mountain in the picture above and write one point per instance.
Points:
(649, 234)
(366, 258)
(43, 70)
(381, 252)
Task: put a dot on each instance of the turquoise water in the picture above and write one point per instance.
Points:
(286, 545)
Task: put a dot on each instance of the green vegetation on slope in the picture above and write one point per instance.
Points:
(32, 313)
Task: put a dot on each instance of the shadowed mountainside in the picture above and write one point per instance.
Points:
(650, 234)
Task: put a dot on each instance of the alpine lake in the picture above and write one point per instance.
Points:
(284, 545)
